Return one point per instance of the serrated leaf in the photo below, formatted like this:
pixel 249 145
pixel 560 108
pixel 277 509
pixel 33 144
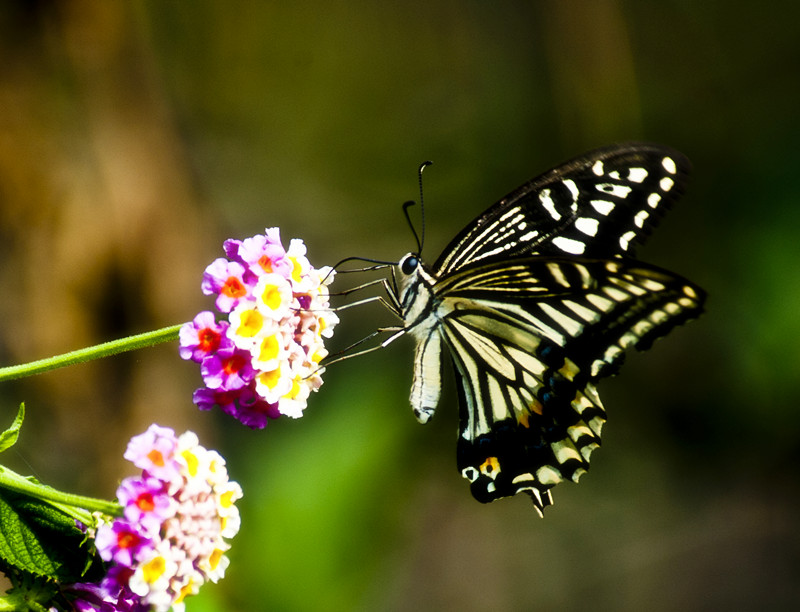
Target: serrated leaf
pixel 9 437
pixel 37 538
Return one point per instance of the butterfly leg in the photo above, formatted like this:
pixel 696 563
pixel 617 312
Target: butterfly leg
pixel 390 302
pixel 345 353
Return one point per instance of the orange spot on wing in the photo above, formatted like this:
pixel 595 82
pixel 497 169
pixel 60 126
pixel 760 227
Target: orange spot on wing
pixel 490 467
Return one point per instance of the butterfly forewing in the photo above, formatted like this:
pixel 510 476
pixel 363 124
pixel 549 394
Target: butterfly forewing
pixel 527 360
pixel 602 204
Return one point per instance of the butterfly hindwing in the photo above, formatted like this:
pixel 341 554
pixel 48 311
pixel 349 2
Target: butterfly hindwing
pixel 529 339
pixel 601 204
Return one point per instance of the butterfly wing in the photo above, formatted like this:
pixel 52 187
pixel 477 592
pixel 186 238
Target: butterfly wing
pixel 601 204
pixel 529 339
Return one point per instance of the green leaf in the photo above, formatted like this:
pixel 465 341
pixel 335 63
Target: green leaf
pixel 37 538
pixel 29 593
pixel 9 437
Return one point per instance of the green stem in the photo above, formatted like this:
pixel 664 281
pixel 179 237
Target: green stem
pixel 65 501
pixel 130 343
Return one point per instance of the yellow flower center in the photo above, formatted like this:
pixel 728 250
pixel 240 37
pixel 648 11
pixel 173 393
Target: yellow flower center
pixel 270 379
pixel 272 297
pixel 153 569
pixel 250 323
pixel 270 348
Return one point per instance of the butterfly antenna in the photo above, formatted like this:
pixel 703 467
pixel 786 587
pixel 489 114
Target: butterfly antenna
pixel 422 167
pixel 406 206
pixel 419 238
pixel 379 263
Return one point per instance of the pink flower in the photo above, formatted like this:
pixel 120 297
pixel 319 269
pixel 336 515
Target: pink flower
pixel 265 360
pixel 228 369
pixel 174 531
pixel 146 501
pixel 121 542
pixel 202 337
pixel 154 452
pixel 225 279
pixel 264 256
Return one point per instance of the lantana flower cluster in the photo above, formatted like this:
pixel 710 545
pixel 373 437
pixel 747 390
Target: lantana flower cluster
pixel 263 361
pixel 178 515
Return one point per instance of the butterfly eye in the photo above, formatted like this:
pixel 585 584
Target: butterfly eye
pixel 409 264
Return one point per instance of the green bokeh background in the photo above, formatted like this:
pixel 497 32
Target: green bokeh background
pixel 135 137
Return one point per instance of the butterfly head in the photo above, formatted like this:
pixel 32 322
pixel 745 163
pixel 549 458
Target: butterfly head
pixel 409 264
pixel 412 271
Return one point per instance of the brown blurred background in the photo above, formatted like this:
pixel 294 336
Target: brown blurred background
pixel 135 137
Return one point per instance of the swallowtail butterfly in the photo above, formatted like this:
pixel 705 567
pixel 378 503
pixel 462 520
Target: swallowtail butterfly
pixel 536 300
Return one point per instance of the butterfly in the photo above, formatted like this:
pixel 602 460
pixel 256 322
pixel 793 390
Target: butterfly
pixel 536 300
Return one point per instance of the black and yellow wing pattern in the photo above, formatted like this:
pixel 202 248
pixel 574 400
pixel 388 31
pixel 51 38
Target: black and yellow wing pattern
pixel 538 299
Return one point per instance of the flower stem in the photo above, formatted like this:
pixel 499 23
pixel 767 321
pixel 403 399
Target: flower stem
pixel 65 501
pixel 106 349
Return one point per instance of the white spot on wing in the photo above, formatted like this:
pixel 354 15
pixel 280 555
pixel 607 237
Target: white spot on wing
pixel 587 226
pixel 637 175
pixel 669 165
pixel 548 475
pixel 548 204
pixel 470 473
pixel 576 432
pixel 596 425
pixel 653 199
pixel 640 218
pixel 604 207
pixel 581 403
pixel 565 451
pixel 598 168
pixel 625 240
pixel 586 451
pixel 666 183
pixel 620 191
pixel 573 189
pixel 575 247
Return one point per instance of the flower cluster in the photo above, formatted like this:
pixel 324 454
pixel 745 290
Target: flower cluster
pixel 177 516
pixel 263 361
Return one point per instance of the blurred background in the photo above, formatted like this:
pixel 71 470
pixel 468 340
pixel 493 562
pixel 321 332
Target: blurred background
pixel 135 137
